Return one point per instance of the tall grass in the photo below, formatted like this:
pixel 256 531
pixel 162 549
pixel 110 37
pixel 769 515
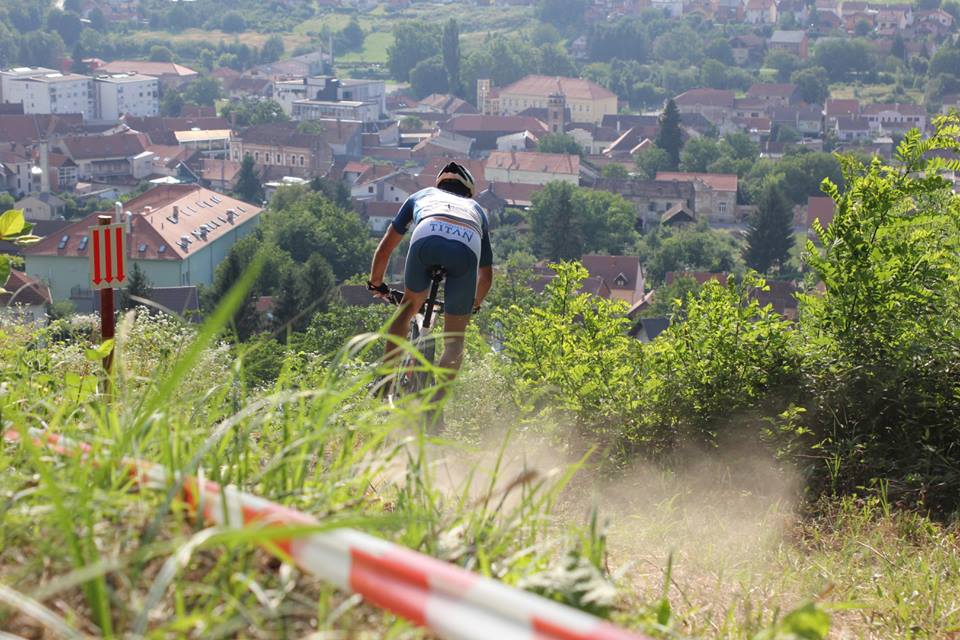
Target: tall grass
pixel 81 548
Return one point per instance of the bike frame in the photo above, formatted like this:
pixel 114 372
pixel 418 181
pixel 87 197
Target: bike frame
pixel 420 334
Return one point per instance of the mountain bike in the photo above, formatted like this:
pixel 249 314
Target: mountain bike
pixel 412 375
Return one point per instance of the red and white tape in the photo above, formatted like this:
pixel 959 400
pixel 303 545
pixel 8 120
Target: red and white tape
pixel 447 599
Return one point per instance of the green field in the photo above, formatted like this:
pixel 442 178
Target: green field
pixel 374 49
pixel 872 93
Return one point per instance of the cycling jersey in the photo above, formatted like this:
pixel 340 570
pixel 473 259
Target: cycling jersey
pixel 434 212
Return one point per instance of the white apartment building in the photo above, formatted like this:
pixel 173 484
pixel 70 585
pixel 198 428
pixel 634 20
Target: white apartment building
pixel 45 92
pixel 126 93
pixel 9 75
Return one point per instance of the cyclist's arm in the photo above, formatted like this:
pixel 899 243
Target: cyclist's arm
pixel 381 257
pixel 484 281
pixel 389 241
pixel 485 273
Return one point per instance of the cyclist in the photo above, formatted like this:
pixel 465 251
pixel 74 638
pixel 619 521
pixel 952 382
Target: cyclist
pixel 450 230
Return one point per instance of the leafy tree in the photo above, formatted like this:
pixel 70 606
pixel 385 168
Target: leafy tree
pixel 98 21
pixel 503 60
pixel 333 190
pixel 410 123
pixel 542 34
pixel 713 74
pixel 812 83
pixel 160 53
pixel 251 111
pixel 41 49
pixel 66 24
pixel 666 298
pixel 230 61
pixel 559 143
pixel 233 22
pixel 843 57
pixel 351 37
pixel 615 171
pixel 720 50
pixel 204 91
pixel 272 49
pixel 567 222
pixel 451 55
pixel 651 160
pixel 413 42
pixel 624 39
pixel 553 60
pixel 670 138
pixel 698 248
pixel 138 285
pixel 561 13
pixel 171 103
pixel 784 62
pixel 698 154
pixel 77 65
pixel 680 44
pixel 429 76
pixel 770 230
pixel 862 28
pixel 249 187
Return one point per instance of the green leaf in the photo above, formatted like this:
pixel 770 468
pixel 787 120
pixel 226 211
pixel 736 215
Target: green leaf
pixel 11 223
pixel 80 388
pixel 4 270
pixel 809 622
pixel 100 352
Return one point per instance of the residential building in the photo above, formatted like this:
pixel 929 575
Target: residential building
pixel 16 170
pixel 795 42
pixel 836 108
pixel 29 129
pixel 670 8
pixel 301 154
pixel 442 144
pixel 329 97
pixel 622 274
pixel 587 100
pixel 775 95
pixel 122 93
pixel 808 121
pixel 486 129
pixel 761 12
pixel 170 74
pixel 8 76
pixel 394 187
pixel 532 168
pixel 308 64
pixel 715 194
pixel 748 48
pixel 852 129
pixel 102 158
pixel 716 105
pixel 895 117
pixel 177 234
pixel 41 206
pixel 24 299
pixel 821 209
pixel 211 143
pixel 163 130
pixel 652 198
pixel 50 93
pixel 442 103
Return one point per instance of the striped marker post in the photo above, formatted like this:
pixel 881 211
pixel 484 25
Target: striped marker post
pixel 451 601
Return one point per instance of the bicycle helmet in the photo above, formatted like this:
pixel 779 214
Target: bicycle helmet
pixel 456 172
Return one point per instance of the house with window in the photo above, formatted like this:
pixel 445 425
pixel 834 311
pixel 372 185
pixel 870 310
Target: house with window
pixel 774 94
pixel 761 12
pixel 895 117
pixel 651 198
pixel 104 158
pixel 41 206
pixel 587 100
pixel 715 194
pixel 177 234
pixel 284 147
pixel 622 274
pixel 716 105
pixel 795 42
pixel 529 167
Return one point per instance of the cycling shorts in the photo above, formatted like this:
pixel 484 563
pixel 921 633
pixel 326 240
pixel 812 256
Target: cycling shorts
pixel 457 258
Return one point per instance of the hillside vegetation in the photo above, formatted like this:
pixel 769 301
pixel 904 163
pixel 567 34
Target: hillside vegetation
pixel 738 467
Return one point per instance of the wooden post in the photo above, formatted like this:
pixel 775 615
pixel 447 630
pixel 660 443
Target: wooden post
pixel 107 321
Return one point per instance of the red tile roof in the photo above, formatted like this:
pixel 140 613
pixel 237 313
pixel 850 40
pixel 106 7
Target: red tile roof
pixel 153 228
pixel 899 107
pixel 534 162
pixel 148 68
pixel 716 181
pixel 572 88
pixel 610 268
pixel 841 107
pixel 705 97
pixel 22 289
pixel 473 123
pixel 120 145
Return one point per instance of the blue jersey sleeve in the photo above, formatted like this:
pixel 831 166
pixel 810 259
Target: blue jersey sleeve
pixel 401 222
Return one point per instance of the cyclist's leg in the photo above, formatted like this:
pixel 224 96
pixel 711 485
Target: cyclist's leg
pixel 459 294
pixel 416 280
